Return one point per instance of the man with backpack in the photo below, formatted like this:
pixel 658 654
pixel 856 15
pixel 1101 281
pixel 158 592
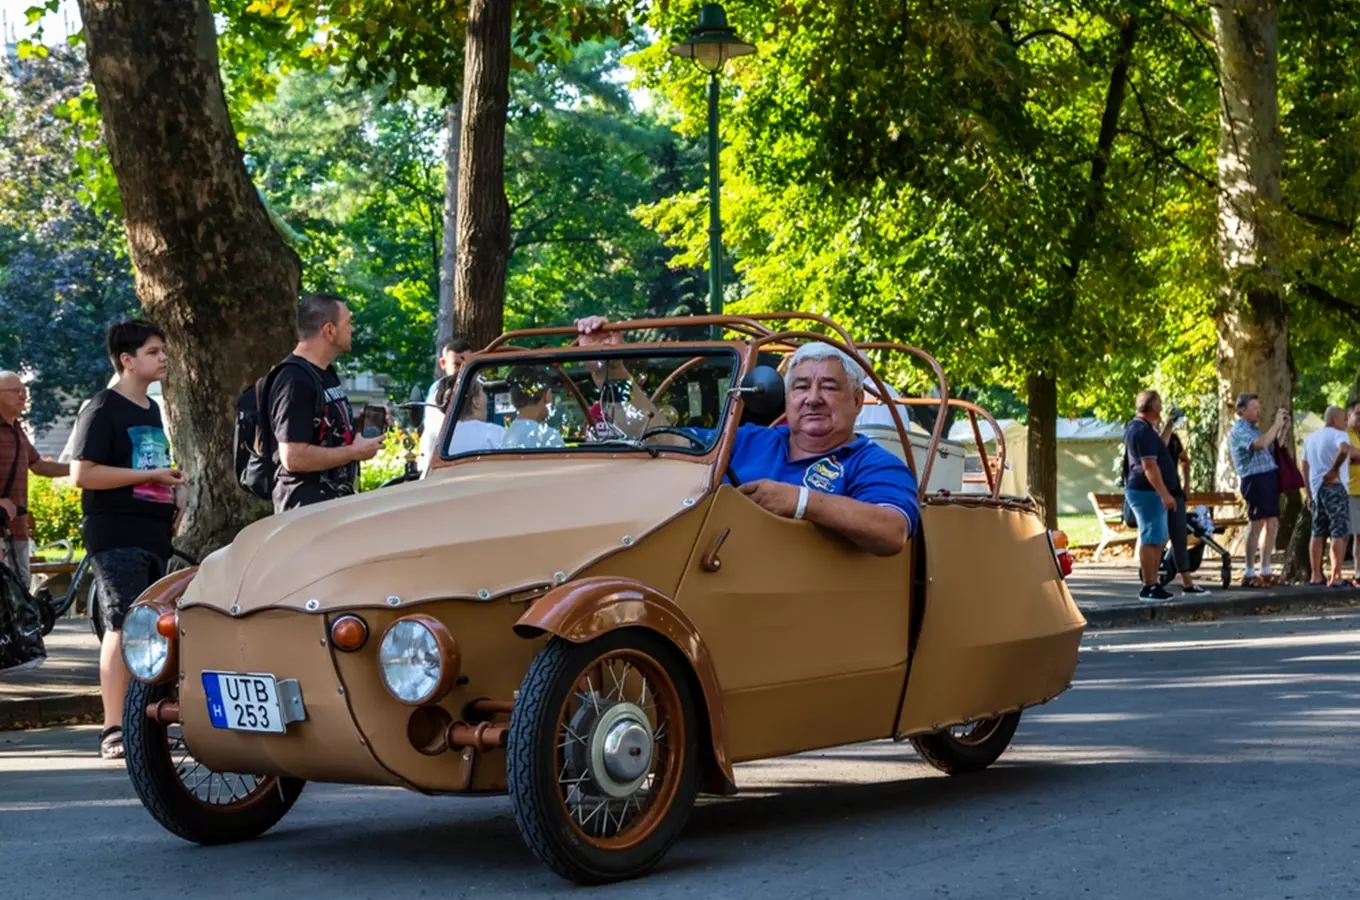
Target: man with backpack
pixel 305 449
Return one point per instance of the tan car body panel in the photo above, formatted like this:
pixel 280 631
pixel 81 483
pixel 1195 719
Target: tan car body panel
pixel 476 531
pixel 1000 630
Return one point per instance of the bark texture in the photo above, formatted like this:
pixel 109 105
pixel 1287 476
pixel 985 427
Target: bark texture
pixel 483 212
pixel 449 257
pixel 1253 320
pixel 1041 438
pixel 211 269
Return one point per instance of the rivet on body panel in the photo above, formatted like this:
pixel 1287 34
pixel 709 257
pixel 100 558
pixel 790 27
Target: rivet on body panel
pixel 312 605
pixel 689 501
pixel 235 610
pixel 363 743
pixel 559 577
pixel 394 601
pixel 484 594
pixel 340 689
pixel 627 540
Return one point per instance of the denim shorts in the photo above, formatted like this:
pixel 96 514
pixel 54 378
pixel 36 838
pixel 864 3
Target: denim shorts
pixel 1151 516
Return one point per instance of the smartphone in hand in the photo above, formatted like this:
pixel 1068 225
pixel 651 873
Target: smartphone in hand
pixel 373 421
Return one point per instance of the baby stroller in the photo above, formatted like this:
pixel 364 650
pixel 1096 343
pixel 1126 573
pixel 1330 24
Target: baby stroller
pixel 1199 525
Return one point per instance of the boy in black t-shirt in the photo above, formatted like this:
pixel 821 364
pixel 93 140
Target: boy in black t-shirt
pixel 131 494
pixel 318 451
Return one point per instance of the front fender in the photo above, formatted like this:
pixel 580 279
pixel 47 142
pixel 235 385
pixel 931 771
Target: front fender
pixel 585 609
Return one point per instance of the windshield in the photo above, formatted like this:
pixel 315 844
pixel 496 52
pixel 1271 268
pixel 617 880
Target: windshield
pixel 615 399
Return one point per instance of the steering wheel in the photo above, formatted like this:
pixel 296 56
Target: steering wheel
pixel 698 445
pixel 695 442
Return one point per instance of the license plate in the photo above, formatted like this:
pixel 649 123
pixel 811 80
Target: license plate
pixel 243 702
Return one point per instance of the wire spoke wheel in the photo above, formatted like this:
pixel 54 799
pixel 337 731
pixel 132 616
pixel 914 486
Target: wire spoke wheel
pixel 602 754
pixel 620 740
pixel 184 795
pixel 208 787
pixel 968 748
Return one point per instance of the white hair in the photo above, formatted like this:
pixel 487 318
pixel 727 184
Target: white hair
pixel 854 372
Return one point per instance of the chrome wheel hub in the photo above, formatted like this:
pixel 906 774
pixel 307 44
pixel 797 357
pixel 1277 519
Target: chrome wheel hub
pixel 620 749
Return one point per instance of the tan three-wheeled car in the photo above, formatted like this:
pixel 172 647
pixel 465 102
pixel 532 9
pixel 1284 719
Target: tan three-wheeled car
pixel 573 604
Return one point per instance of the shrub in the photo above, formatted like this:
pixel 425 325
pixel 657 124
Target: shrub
pixel 54 504
pixel 389 463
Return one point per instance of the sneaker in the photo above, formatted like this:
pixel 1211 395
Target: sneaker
pixel 1154 592
pixel 1194 590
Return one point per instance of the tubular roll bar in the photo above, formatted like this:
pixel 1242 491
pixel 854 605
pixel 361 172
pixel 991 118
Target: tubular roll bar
pixel 753 326
pixel 973 410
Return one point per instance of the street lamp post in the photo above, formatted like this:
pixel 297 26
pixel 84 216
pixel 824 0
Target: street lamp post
pixel 711 44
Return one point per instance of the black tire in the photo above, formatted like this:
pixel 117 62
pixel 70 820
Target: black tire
pixel 973 751
pixel 156 778
pixel 532 761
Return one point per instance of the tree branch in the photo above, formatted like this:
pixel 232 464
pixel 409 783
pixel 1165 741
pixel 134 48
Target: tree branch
pixel 1050 32
pixel 1323 297
pixel 1170 155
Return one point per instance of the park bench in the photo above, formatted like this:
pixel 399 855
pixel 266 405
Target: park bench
pixel 1226 507
pixel 54 574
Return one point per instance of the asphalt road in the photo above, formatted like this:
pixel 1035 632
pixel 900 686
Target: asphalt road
pixel 1205 761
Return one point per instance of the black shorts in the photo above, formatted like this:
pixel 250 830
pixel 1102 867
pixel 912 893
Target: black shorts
pixel 1262 493
pixel 121 575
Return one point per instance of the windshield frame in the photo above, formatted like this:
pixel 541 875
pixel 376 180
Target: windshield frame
pixel 738 352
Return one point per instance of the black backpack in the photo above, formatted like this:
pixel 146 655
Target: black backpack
pixel 255 445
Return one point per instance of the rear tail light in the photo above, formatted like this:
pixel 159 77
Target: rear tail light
pixel 1058 541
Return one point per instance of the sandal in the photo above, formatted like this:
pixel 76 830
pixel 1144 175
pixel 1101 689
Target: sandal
pixel 111 742
pixel 1340 585
pixel 1317 584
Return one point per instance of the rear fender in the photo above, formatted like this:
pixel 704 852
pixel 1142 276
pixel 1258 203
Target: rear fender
pixel 591 607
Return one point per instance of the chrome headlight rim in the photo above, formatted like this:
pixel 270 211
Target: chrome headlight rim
pixel 441 644
pixel 147 654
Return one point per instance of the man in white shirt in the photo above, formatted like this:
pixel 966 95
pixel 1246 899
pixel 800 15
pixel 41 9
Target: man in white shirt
pixel 1326 454
pixel 451 359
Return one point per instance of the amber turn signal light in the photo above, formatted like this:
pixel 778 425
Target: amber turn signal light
pixel 349 633
pixel 167 625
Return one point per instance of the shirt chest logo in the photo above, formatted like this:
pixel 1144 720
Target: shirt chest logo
pixel 824 475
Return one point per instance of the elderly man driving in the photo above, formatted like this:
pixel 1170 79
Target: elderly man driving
pixel 816 467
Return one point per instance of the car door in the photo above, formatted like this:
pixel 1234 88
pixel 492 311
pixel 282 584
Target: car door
pixel 808 633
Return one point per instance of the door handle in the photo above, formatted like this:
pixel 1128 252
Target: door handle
pixel 710 561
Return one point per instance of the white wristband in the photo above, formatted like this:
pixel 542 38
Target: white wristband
pixel 802 502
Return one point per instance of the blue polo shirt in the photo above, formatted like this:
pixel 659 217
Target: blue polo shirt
pixel 861 470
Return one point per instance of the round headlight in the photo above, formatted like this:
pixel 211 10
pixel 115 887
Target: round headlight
pixel 145 650
pixel 410 660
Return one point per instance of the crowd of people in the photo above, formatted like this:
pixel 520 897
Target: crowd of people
pixel 1157 471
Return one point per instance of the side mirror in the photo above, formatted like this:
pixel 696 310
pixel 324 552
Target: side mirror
pixel 415 414
pixel 763 391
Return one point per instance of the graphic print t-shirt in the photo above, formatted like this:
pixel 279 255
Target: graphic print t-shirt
pixel 114 431
pixel 293 416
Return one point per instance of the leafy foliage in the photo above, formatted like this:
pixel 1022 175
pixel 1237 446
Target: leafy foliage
pixel 64 271
pixel 55 507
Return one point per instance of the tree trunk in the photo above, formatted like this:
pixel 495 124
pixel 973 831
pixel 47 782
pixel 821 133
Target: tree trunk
pixel 449 258
pixel 1041 433
pixel 1252 319
pixel 211 269
pixel 483 212
pixel 1042 427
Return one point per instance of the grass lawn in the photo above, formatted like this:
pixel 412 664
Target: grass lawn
pixel 1080 529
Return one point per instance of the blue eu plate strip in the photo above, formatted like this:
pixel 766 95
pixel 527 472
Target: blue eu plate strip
pixel 217 710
